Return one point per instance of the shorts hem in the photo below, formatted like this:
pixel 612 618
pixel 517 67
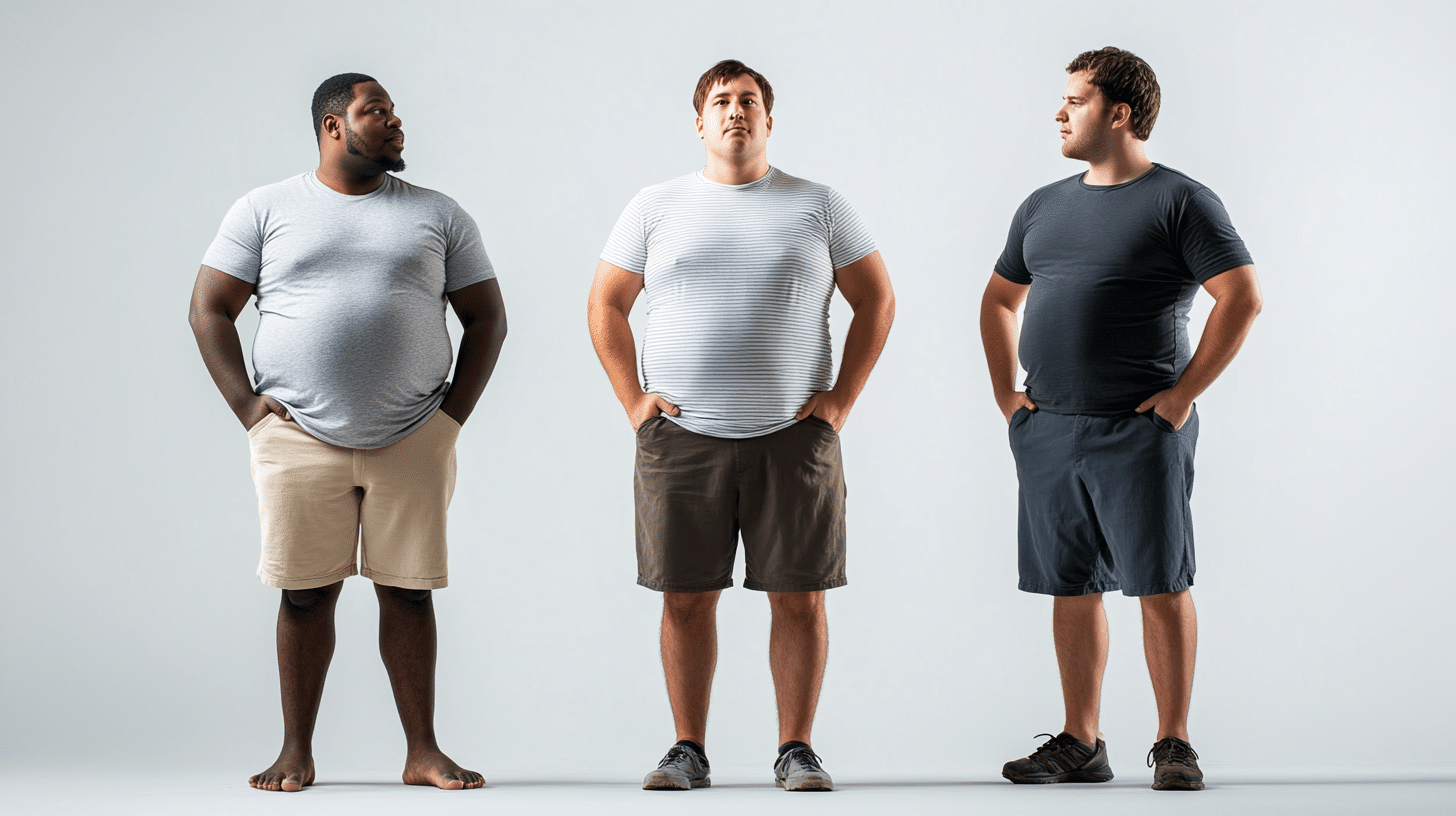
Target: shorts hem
pixel 1160 588
pixel 404 583
pixel 814 587
pixel 667 586
pixel 306 583
pixel 1069 590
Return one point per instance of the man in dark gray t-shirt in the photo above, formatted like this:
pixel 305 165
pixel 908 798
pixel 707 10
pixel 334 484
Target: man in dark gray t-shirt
pixel 1107 263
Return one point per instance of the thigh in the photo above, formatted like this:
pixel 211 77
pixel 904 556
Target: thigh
pixel 1060 548
pixel 402 519
pixel 686 506
pixel 1140 475
pixel 791 508
pixel 308 506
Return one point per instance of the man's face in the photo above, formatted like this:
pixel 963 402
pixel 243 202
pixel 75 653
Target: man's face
pixel 1085 118
pixel 733 122
pixel 371 130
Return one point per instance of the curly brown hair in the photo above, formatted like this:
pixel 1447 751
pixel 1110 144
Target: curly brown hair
pixel 724 71
pixel 1124 77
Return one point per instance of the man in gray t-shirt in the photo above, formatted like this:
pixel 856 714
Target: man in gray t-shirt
pixel 737 413
pixel 1107 263
pixel 351 421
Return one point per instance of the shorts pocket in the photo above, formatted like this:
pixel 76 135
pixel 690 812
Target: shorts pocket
pixel 646 422
pixel 449 419
pixel 1162 424
pixel 823 422
pixel 260 423
pixel 1018 417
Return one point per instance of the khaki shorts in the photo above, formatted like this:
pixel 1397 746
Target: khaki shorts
pixel 784 492
pixel 317 501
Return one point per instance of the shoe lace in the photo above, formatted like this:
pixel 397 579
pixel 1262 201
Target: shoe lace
pixel 806 757
pixel 675 753
pixel 1054 745
pixel 1171 751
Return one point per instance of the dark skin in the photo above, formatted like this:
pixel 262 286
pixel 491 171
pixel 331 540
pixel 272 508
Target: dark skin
pixel 407 635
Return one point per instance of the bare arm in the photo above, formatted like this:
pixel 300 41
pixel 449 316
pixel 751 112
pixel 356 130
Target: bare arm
pixel 613 292
pixel 1237 301
pixel 217 299
pixel 999 331
pixel 865 285
pixel 482 315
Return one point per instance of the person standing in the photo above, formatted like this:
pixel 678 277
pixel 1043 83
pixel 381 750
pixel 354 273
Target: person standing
pixel 738 414
pixel 351 421
pixel 1107 263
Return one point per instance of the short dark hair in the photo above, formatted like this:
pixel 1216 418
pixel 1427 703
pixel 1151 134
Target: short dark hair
pixel 1123 76
pixel 334 96
pixel 724 71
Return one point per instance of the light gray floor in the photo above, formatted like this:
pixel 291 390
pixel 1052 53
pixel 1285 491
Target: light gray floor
pixel 736 790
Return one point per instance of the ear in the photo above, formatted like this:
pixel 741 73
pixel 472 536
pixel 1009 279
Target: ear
pixel 768 126
pixel 699 123
pixel 332 126
pixel 1121 114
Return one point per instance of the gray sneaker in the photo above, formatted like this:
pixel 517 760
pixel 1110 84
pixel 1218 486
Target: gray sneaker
pixel 1177 765
pixel 682 769
pixel 798 769
pixel 1063 758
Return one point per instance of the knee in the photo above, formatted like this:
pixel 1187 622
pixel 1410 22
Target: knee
pixel 403 595
pixel 307 598
pixel 796 604
pixel 1166 602
pixel 687 606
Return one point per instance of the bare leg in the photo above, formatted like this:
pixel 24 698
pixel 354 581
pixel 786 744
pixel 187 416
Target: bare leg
pixel 1170 641
pixel 305 648
pixel 798 648
pixel 689 655
pixel 1079 627
pixel 407 644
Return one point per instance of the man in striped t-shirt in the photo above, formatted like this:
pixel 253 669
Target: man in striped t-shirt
pixel 737 413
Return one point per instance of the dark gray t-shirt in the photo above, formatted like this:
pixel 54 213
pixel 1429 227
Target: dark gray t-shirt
pixel 351 301
pixel 1113 271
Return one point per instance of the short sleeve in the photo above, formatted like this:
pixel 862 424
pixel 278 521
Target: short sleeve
pixel 627 245
pixel 238 248
pixel 1012 263
pixel 849 239
pixel 1206 238
pixel 465 259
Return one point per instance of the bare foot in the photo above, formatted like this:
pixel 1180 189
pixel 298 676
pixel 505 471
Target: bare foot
pixel 434 768
pixel 292 772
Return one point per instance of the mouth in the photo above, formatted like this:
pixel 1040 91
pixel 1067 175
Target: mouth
pixel 740 129
pixel 397 138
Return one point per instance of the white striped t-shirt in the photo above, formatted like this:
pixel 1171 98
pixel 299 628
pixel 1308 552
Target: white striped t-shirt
pixel 737 280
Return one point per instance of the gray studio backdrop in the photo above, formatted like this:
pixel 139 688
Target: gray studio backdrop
pixel 135 633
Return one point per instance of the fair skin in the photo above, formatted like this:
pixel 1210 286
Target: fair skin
pixel 734 128
pixel 305 633
pixel 1099 132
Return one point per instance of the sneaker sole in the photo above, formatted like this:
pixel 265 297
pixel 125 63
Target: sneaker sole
pixel 661 781
pixel 807 785
pixel 1178 783
pixel 1070 776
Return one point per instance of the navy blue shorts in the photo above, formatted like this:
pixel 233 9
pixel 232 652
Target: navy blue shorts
pixel 1104 502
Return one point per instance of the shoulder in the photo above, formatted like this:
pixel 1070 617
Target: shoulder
pixel 1049 192
pixel 672 188
pixel 279 192
pixel 397 187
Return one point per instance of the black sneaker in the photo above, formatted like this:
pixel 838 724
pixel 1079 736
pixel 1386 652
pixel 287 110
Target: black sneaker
pixel 1177 765
pixel 1063 758
pixel 683 768
pixel 798 769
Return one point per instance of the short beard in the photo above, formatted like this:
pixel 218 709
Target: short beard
pixel 355 146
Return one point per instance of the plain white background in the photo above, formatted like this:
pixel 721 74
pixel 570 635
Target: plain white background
pixel 136 635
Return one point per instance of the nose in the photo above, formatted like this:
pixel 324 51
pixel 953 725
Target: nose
pixel 1061 113
pixel 394 121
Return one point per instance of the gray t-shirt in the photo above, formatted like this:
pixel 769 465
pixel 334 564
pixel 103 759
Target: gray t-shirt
pixel 1113 270
pixel 351 301
pixel 737 280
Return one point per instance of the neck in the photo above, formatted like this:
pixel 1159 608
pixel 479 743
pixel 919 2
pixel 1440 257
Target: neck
pixel 1123 164
pixel 735 170
pixel 340 178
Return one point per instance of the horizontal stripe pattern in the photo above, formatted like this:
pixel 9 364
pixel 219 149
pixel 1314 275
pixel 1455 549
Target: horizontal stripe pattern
pixel 737 282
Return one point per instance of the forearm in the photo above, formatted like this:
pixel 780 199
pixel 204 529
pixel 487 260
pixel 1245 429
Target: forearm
pixel 868 331
pixel 222 353
pixel 1223 335
pixel 998 337
pixel 612 338
pixel 480 346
